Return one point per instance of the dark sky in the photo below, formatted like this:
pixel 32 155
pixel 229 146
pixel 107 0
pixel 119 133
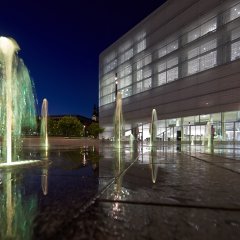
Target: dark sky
pixel 61 41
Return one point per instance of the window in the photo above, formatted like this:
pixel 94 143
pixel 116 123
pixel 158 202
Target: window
pixel 162 79
pixel 172 62
pixel 162 52
pixel 208 46
pixel 107 99
pixel 235 50
pixel 168 48
pixel 202 30
pixel 193 53
pixel 202 63
pixel 161 67
pixel 139 87
pixel 139 75
pixel 172 74
pixel 147 72
pixel 145 61
pixel 126 92
pixel 126 56
pixel 168 70
pixel 194 34
pixel 141 45
pixel 235 12
pixel 147 84
pixel 110 66
pixel 193 66
pixel 124 82
pixel 209 26
pixel 125 71
pixel 172 46
pixel 235 34
pixel 208 61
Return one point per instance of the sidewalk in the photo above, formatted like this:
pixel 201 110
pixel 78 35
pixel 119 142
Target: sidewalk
pixel 167 194
pixel 156 194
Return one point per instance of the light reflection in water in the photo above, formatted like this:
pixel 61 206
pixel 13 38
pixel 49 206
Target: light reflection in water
pixel 119 192
pixel 44 181
pixel 16 215
pixel 153 163
pixel 44 176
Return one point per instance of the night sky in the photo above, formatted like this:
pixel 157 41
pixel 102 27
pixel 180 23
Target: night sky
pixel 61 41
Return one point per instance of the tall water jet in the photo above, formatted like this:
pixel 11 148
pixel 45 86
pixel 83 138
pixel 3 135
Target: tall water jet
pixel 44 123
pixel 131 142
pixel 17 106
pixel 118 121
pixel 153 128
pixel 209 134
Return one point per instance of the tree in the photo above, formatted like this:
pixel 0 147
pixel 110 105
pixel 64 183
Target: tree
pixel 94 129
pixel 53 129
pixel 70 126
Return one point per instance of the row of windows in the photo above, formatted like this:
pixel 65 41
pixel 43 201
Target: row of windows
pixel 125 56
pixel 194 34
pixel 169 71
pixel 166 75
pixel 140 45
pixel 171 65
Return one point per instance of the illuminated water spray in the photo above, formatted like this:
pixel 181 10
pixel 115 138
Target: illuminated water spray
pixel 118 121
pixel 44 123
pixel 153 128
pixel 17 103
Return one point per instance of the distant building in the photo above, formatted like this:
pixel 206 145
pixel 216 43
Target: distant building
pixel 183 61
pixel 95 114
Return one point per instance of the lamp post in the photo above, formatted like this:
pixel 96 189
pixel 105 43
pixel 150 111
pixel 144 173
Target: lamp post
pixel 84 130
pixel 116 86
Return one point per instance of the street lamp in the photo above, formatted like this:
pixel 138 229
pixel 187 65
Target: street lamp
pixel 84 130
pixel 116 86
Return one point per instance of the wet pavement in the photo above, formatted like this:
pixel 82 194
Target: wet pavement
pixel 108 193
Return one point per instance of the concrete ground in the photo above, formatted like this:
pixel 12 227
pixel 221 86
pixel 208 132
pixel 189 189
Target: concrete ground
pixel 166 192
pixel 162 193
pixel 169 194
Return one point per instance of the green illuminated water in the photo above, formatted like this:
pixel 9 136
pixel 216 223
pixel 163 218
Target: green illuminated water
pixel 17 103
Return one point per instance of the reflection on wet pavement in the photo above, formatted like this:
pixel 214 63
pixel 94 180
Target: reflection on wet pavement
pixel 149 193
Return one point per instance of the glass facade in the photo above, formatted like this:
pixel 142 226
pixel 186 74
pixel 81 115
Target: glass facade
pixel 152 67
pixel 140 68
pixel 226 127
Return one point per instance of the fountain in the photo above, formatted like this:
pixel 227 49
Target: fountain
pixel 153 163
pixel 131 142
pixel 153 128
pixel 44 123
pixel 209 134
pixel 118 121
pixel 17 105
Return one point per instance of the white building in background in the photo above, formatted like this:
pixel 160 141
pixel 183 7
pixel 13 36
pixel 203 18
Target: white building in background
pixel 182 60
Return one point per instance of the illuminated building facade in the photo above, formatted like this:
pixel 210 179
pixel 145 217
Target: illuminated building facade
pixel 183 61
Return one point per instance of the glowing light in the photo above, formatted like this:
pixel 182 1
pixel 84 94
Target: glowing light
pixel 118 121
pixel 17 100
pixel 44 123
pixel 153 128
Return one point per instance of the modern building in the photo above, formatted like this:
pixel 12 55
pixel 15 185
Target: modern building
pixel 182 60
